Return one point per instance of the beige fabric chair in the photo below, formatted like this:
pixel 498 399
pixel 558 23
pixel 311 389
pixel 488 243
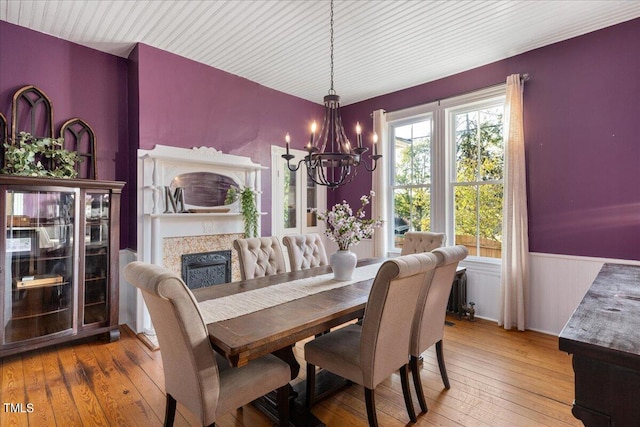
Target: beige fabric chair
pixel 421 241
pixel 370 353
pixel 259 257
pixel 428 323
pixel 195 375
pixel 305 251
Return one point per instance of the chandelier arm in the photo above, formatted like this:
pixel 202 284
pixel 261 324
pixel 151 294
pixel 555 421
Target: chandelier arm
pixel 288 158
pixel 374 162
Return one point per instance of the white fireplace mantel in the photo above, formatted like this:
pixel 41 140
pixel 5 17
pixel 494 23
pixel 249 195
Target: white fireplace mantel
pixel 156 170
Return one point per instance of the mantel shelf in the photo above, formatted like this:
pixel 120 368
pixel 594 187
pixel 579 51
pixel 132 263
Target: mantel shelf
pixel 197 215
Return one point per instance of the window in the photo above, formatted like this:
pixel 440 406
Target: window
pixel 411 182
pixel 447 167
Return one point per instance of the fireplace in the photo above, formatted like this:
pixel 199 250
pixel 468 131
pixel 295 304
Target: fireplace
pixel 206 269
pixel 174 223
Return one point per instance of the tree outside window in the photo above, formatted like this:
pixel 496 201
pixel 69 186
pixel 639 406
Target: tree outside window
pixel 478 187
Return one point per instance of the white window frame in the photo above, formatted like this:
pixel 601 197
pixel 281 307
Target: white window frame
pixel 442 156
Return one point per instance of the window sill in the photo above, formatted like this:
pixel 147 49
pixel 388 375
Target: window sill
pixel 478 264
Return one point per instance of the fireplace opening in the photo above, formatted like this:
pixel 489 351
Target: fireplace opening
pixel 206 269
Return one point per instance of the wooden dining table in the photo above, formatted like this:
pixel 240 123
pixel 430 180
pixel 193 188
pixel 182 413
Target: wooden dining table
pixel 275 330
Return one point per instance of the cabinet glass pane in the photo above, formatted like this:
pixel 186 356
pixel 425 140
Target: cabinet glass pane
pixel 38 297
pixel 290 203
pixel 312 204
pixel 96 265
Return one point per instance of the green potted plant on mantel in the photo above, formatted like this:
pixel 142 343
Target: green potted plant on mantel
pixel 32 156
pixel 248 208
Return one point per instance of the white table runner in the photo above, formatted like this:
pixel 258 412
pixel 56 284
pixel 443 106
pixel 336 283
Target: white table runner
pixel 224 308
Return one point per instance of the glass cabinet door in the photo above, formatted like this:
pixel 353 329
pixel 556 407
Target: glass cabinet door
pixel 96 257
pixel 39 263
pixel 295 199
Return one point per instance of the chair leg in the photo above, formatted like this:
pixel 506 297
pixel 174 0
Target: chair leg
pixel 311 386
pixel 441 365
pixel 371 407
pixel 283 405
pixel 170 411
pixel 404 379
pixel 417 383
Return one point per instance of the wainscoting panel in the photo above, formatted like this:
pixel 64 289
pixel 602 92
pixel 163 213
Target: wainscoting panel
pixel 128 293
pixel 558 284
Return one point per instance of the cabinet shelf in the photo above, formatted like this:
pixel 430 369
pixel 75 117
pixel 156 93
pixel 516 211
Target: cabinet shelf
pixel 32 315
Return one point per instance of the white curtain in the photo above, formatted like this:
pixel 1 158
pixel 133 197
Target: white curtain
pixel 514 280
pixel 379 184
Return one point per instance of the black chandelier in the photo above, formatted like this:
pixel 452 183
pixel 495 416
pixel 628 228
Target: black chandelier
pixel 332 160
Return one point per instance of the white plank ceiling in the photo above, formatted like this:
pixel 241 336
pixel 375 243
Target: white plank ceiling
pixel 380 46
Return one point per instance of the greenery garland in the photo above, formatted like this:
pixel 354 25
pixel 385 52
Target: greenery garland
pixel 32 156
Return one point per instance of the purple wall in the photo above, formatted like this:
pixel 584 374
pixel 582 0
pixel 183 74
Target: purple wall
pixel 81 82
pixel 183 103
pixel 581 121
pixel 582 109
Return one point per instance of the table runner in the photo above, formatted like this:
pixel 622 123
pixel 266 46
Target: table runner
pixel 224 308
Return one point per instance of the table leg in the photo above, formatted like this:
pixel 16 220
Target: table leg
pixel 326 385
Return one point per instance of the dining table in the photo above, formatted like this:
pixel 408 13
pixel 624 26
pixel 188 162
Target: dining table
pixel 269 315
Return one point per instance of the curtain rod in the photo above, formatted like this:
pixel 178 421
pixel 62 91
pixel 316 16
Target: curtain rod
pixel 523 78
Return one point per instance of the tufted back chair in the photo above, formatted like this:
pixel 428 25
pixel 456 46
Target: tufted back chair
pixel 259 257
pixel 194 374
pixel 421 241
pixel 428 322
pixel 370 353
pixel 305 251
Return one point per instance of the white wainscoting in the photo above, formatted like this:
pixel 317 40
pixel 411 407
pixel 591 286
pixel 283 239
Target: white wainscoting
pixel 128 293
pixel 558 284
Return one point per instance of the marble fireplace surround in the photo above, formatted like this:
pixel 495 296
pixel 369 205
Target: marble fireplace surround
pixel 163 237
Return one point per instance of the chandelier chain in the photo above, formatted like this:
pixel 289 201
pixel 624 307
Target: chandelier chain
pixel 331 90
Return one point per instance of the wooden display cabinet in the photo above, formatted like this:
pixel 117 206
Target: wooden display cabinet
pixel 59 263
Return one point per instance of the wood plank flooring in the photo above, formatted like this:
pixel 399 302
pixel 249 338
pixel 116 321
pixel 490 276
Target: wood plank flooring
pixel 498 378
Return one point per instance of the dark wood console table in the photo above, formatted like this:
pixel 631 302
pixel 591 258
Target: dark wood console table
pixel 603 335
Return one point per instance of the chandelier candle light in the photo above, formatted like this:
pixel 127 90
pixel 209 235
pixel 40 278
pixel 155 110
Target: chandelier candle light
pixel 332 161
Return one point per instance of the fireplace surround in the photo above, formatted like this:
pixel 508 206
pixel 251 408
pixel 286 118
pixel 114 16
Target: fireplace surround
pixel 165 233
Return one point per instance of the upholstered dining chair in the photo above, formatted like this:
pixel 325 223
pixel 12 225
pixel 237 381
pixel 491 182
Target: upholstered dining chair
pixel 421 241
pixel 305 251
pixel 428 322
pixel 367 354
pixel 195 375
pixel 259 257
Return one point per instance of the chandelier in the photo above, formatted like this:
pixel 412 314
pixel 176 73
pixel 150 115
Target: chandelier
pixel 331 160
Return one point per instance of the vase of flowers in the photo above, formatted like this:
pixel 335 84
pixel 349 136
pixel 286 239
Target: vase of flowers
pixel 347 229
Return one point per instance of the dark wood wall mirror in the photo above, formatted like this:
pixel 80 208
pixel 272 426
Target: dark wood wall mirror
pixel 80 137
pixel 31 111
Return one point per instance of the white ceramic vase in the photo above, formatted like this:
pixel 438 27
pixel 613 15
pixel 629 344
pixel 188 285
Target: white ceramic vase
pixel 343 263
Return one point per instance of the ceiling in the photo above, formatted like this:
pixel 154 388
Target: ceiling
pixel 380 46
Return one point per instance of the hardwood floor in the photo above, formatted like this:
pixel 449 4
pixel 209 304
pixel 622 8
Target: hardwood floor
pixel 498 378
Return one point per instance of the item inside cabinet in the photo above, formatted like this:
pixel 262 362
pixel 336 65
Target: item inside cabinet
pixel 39 281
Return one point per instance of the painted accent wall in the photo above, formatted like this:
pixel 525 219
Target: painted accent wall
pixel 81 82
pixel 186 104
pixel 582 115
